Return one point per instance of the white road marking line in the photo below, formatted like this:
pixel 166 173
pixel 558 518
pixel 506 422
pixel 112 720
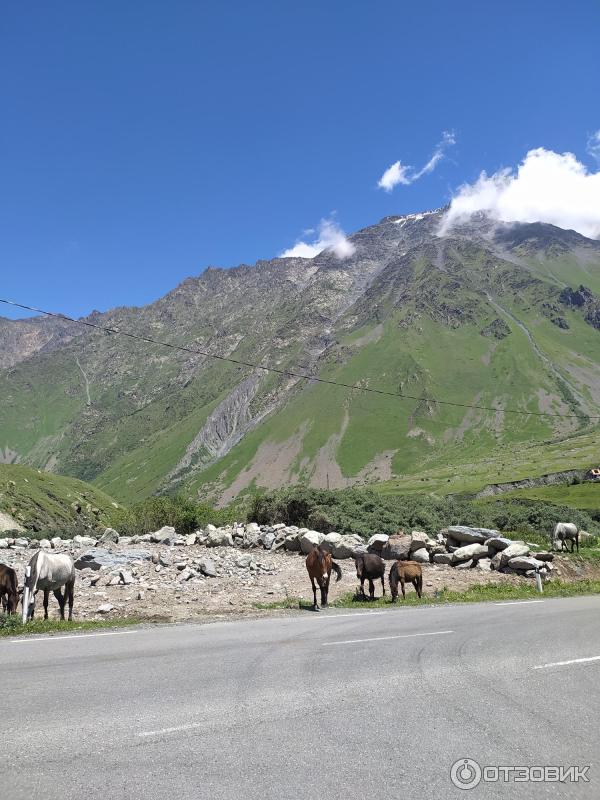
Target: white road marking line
pixel 384 638
pixel 566 663
pixel 354 614
pixel 517 602
pixel 176 729
pixel 69 636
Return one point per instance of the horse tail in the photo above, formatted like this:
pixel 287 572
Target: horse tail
pixel 338 571
pixel 393 576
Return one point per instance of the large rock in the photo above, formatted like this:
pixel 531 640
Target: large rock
pixel 219 537
pixel 466 564
pixel 545 556
pixel 207 567
pixel 469 551
pixel 484 564
pixel 292 540
pixel 525 563
pixel 514 550
pixel 418 540
pixel 398 547
pixel 84 541
pixel 109 535
pixel 267 539
pixel 498 542
pixel 377 542
pixel 348 546
pixel 421 555
pixel 309 540
pixel 443 558
pixel 165 535
pixel 331 541
pixel 468 535
pixel 96 558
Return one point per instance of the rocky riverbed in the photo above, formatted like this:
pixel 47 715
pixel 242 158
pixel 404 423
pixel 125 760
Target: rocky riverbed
pixel 234 570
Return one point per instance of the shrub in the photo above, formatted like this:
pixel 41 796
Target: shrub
pixel 179 512
pixel 365 512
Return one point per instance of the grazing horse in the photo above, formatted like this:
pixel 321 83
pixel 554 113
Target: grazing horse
pixel 370 567
pixel 565 532
pixel 50 572
pixel 405 572
pixel 319 564
pixel 9 591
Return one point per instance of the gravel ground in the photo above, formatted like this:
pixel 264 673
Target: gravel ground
pixel 159 588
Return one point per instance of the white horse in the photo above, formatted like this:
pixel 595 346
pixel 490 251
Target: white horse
pixel 49 572
pixel 565 532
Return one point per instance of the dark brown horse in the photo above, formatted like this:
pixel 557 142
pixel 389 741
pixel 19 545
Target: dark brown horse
pixel 405 572
pixel 9 592
pixel 319 564
pixel 370 567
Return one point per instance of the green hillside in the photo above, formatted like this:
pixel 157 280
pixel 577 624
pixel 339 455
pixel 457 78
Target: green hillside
pixel 502 318
pixel 40 500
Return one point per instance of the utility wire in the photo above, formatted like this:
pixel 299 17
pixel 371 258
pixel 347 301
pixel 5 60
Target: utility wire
pixel 289 373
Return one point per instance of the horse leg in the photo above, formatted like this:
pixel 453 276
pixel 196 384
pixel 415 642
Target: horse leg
pixel 46 597
pixel 70 591
pixel 314 588
pixel 62 599
pixel 324 592
pixel 371 589
pixel 362 587
pixel 383 585
pixel 402 587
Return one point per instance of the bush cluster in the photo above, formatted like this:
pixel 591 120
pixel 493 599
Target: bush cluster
pixel 365 512
pixel 180 513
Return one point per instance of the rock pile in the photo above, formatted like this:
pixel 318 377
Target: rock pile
pixel 464 547
pixel 459 546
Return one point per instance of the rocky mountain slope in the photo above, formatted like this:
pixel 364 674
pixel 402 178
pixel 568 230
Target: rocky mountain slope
pixel 488 315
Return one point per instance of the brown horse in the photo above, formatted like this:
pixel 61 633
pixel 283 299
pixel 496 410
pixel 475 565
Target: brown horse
pixel 405 572
pixel 9 592
pixel 319 564
pixel 370 567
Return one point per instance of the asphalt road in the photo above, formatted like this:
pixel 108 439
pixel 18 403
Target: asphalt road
pixel 332 705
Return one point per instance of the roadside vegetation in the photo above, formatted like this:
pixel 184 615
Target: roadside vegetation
pixel 364 511
pixel 182 514
pixel 11 625
pixel 475 594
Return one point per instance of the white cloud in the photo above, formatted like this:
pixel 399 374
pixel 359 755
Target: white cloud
pixel 393 176
pixel 547 187
pixel 593 145
pixel 398 173
pixel 329 237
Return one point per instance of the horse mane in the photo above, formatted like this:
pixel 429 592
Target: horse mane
pixel 31 581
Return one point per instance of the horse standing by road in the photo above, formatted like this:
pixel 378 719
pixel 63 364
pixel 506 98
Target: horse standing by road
pixel 319 564
pixel 50 572
pixel 9 589
pixel 370 567
pixel 405 572
pixel 565 532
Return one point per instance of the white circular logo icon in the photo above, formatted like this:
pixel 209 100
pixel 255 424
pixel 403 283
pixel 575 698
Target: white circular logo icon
pixel 465 773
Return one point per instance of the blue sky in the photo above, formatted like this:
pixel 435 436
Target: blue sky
pixel 141 142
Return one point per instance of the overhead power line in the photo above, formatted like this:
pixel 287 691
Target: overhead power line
pixel 289 373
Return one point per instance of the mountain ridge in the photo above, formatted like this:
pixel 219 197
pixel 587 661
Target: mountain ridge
pixel 137 418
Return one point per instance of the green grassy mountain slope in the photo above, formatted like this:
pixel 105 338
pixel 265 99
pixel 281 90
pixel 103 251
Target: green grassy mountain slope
pixel 488 316
pixel 38 500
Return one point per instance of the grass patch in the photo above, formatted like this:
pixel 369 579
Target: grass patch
pixel 11 625
pixel 478 594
